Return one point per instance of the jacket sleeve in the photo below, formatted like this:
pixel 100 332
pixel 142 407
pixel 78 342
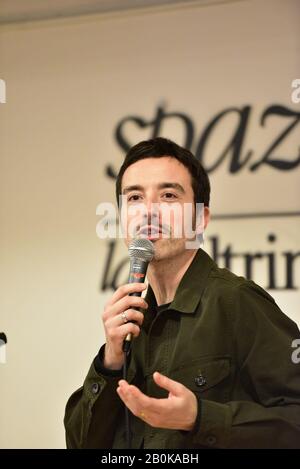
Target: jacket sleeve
pixel 92 411
pixel 263 338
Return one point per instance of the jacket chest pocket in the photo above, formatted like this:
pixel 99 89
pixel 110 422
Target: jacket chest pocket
pixel 210 379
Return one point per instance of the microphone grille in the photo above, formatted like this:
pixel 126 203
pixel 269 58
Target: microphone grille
pixel 141 248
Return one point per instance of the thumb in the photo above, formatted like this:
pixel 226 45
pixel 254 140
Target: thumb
pixel 166 383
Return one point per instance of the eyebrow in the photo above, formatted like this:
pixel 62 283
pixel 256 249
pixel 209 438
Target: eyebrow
pixel 163 185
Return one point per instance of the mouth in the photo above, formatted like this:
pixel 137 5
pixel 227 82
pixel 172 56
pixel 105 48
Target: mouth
pixel 150 232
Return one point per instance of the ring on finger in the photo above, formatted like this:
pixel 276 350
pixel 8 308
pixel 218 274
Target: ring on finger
pixel 124 317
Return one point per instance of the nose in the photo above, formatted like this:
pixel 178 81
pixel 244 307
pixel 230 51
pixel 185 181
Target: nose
pixel 152 212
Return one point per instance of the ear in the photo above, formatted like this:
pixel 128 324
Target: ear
pixel 206 217
pixel 203 220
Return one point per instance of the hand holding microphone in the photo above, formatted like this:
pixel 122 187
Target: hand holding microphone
pixel 121 317
pixel 141 252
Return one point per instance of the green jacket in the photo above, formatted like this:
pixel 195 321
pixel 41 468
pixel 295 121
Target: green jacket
pixel 224 338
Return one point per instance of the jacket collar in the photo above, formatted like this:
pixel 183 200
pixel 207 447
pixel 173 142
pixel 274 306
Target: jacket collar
pixel 191 286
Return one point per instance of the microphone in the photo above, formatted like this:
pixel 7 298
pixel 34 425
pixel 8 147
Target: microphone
pixel 141 252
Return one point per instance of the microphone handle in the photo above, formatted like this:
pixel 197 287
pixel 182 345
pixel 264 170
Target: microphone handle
pixel 137 274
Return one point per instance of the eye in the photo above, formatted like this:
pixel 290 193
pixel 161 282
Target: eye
pixel 169 195
pixel 134 198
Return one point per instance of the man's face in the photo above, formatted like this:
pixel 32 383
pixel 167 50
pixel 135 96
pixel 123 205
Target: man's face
pixel 158 204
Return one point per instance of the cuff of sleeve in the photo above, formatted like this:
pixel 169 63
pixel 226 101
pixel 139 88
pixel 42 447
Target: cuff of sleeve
pixel 213 425
pixel 95 384
pixel 196 426
pixel 98 364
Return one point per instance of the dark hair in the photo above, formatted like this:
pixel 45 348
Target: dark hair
pixel 158 147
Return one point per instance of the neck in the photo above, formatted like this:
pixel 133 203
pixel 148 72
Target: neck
pixel 165 275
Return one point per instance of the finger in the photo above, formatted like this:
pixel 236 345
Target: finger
pixel 169 384
pixel 122 331
pixel 130 315
pixel 128 302
pixel 155 412
pixel 125 290
pixel 124 395
pixel 135 399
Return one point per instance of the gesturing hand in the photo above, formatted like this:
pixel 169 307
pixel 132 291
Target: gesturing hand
pixel 177 412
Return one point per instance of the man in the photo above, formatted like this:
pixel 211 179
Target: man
pixel 210 364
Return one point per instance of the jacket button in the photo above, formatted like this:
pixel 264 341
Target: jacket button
pixel 211 440
pixel 95 388
pixel 200 380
